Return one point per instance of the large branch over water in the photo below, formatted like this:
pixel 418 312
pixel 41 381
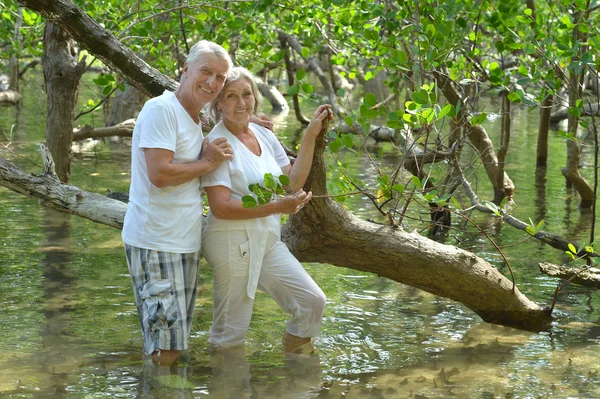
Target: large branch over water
pixel 323 232
pixel 102 44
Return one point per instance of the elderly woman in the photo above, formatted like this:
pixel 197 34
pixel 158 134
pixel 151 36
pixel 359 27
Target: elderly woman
pixel 243 245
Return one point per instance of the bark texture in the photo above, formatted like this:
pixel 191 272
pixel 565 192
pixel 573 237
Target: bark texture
pixel 62 74
pixel 125 105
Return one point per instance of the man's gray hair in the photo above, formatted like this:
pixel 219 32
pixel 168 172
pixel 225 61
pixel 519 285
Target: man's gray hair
pixel 204 46
pixel 236 73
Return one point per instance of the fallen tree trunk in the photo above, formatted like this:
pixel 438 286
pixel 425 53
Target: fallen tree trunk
pixel 10 97
pixel 50 192
pixel 123 129
pixel 589 277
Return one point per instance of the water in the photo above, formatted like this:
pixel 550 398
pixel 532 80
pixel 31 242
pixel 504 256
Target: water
pixel 69 328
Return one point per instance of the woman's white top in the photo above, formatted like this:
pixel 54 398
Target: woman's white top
pixel 244 169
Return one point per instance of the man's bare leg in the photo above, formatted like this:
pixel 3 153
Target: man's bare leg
pixel 164 357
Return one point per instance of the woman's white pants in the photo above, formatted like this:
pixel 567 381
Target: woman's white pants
pixel 281 276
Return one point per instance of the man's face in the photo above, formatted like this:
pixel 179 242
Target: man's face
pixel 203 80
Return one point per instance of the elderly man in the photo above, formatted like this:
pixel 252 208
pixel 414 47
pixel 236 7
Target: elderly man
pixel 163 224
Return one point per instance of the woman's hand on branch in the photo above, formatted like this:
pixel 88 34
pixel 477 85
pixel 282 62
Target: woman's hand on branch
pixel 320 121
pixel 292 203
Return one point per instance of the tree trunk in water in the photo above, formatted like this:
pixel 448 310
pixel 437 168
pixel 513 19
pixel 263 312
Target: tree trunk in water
pixel 542 143
pixel 482 143
pixel 62 74
pixel 14 61
pixel 291 82
pixel 125 105
pixel 273 96
pixel 499 194
pixel 480 140
pixel 571 170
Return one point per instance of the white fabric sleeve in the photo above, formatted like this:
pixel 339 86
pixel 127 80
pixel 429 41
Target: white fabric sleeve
pixel 158 129
pixel 277 149
pixel 218 177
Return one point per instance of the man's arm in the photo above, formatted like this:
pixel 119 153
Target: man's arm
pixel 162 172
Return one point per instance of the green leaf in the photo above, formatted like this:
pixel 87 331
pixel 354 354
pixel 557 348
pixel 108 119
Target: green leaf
pixel 270 181
pixel 589 250
pixel 456 202
pixel 398 187
pixel 572 248
pixel 530 230
pixel 305 52
pixel 284 180
pixel 340 92
pixel 307 88
pixel 293 90
pixel 347 140
pixel 335 145
pixel 300 74
pixel 248 201
pixel 445 111
pixel 349 120
pixel 367 112
pixel 417 182
pixel 540 225
pixel 370 100
pixel 493 207
pixel 570 254
pixel 100 81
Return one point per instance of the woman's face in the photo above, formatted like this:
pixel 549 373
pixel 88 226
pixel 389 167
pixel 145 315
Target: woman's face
pixel 237 101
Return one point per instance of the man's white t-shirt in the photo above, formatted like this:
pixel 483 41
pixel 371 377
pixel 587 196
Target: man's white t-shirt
pixel 167 219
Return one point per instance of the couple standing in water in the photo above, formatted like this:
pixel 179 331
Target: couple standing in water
pixel 171 163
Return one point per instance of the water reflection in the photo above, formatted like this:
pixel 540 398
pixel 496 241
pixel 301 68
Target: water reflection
pixel 59 301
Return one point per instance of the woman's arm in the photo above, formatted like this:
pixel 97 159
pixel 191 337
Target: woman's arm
pixel 298 173
pixel 224 207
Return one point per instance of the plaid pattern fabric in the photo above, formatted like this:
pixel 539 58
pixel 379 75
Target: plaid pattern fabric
pixel 164 286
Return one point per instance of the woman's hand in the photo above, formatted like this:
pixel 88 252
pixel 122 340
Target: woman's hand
pixel 320 119
pixel 292 203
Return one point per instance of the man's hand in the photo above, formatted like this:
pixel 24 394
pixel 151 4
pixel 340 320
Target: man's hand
pixel 216 152
pixel 262 120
